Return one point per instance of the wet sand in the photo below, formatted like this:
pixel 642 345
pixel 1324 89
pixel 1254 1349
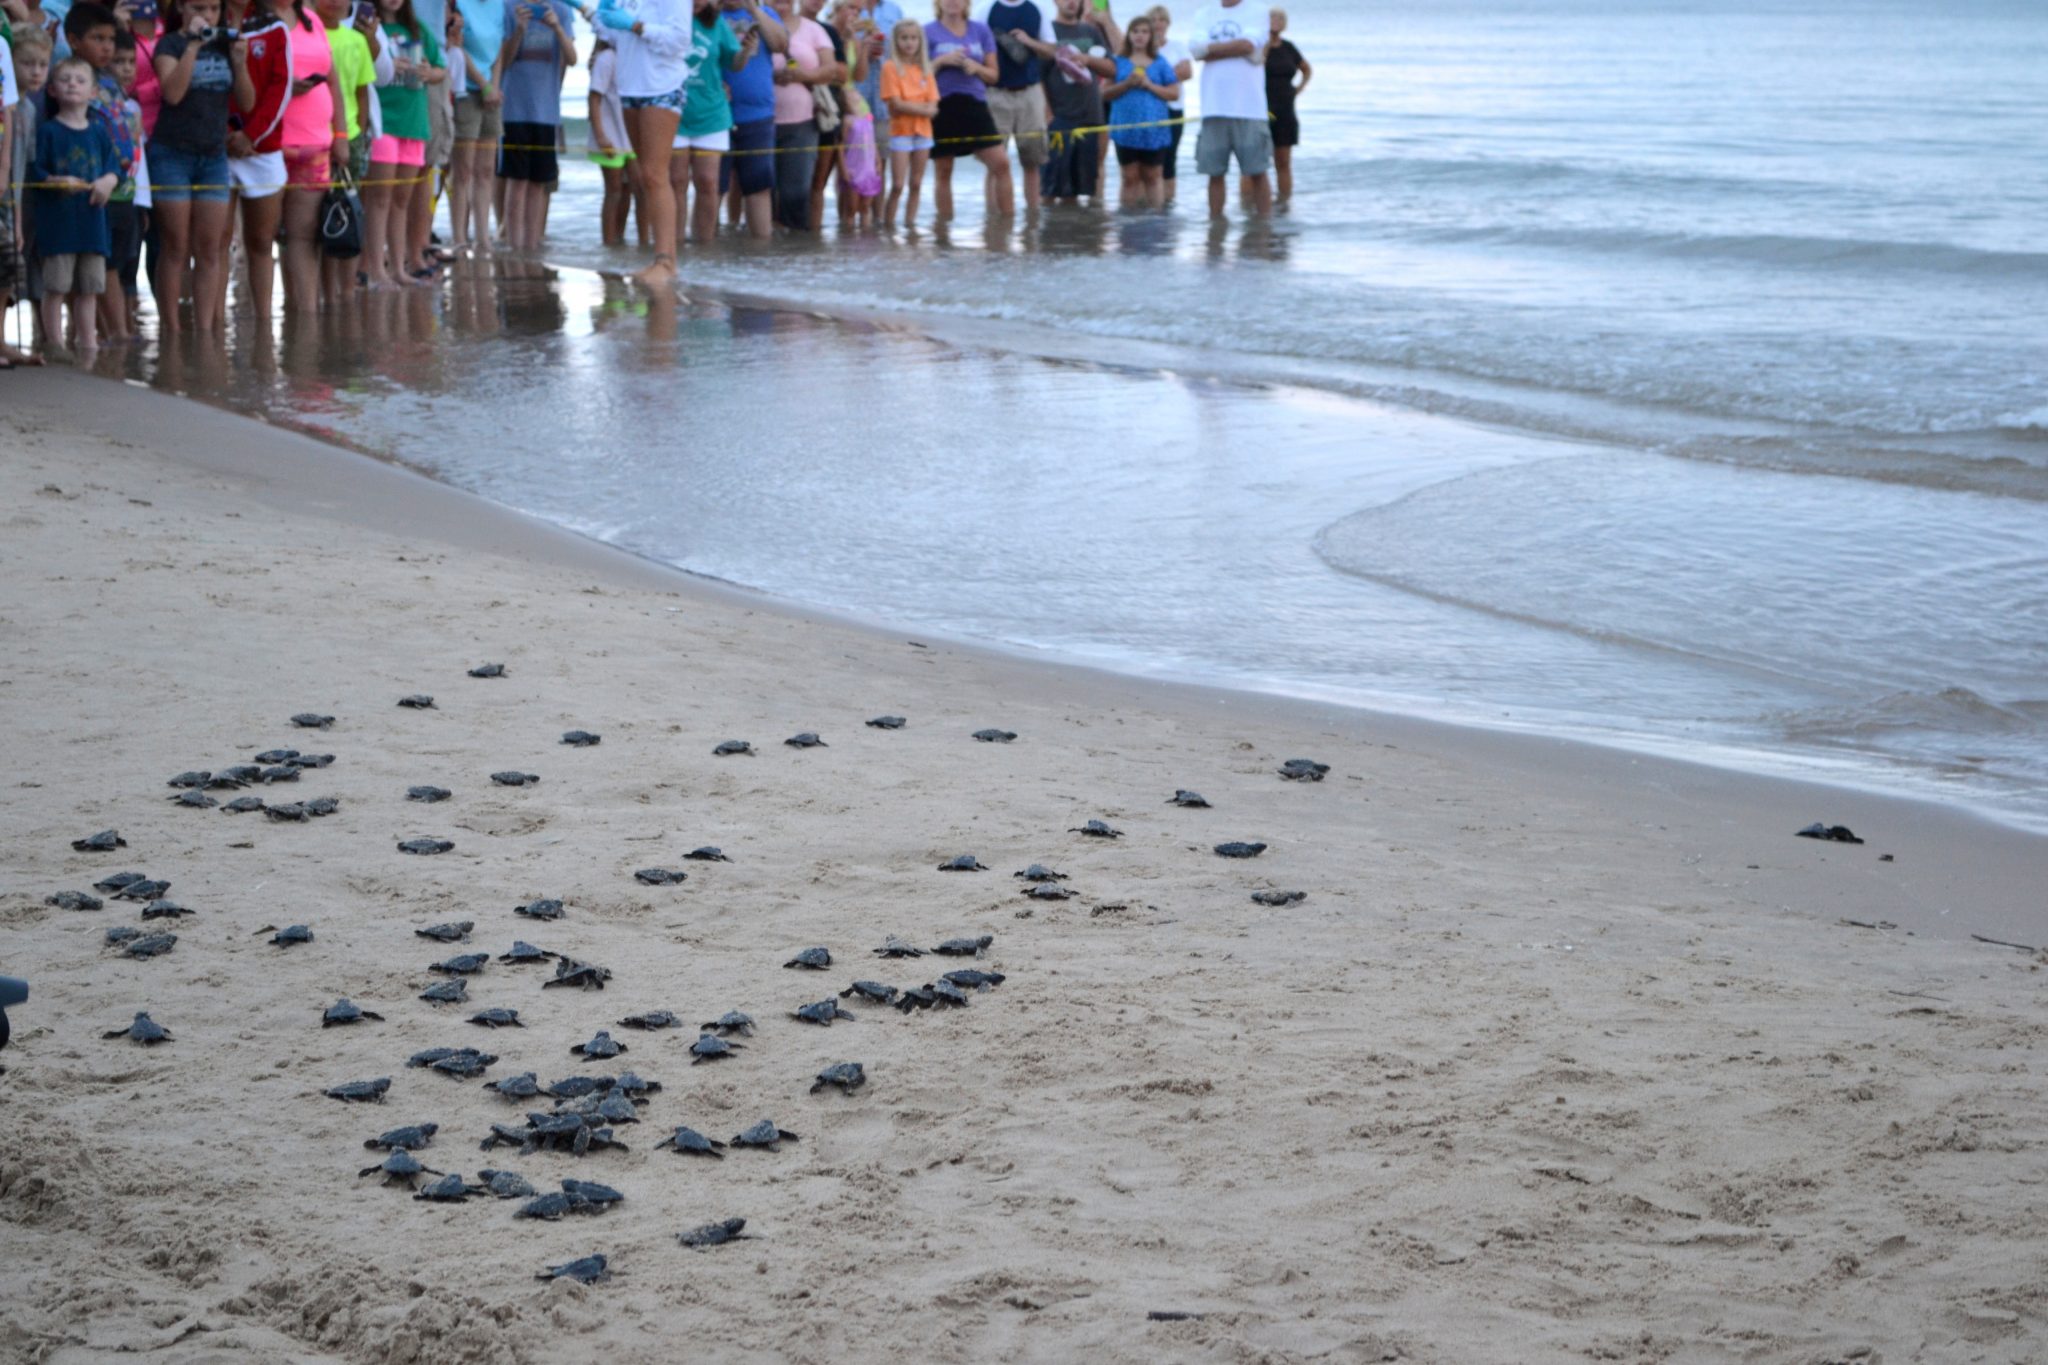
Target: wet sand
pixel 1567 1054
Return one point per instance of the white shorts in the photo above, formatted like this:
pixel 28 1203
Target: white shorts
pixel 258 176
pixel 720 141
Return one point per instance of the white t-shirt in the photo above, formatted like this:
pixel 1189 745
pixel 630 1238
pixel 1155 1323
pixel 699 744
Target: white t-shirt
pixel 1234 87
pixel 604 83
pixel 1175 51
pixel 656 60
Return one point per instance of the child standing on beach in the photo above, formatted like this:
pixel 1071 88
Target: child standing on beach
pixel 31 72
pixel 398 157
pixel 912 97
pixel 76 170
pixel 201 71
pixel 1140 110
pixel 610 149
pixel 128 210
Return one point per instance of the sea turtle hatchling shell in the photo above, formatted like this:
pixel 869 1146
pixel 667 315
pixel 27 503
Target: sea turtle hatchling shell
pixel 995 736
pixel 848 1076
pixel 714 1234
pixel 488 671
pixel 887 723
pixel 428 794
pixel 1236 849
pixel 418 701
pixel 106 841
pixel 426 847
pixel 581 739
pixel 733 746
pixel 1279 897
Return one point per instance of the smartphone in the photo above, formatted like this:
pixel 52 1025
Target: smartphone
pixel 365 9
pixel 144 10
pixel 1101 6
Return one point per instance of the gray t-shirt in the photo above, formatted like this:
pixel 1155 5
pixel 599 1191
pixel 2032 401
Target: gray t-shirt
pixel 1076 99
pixel 198 122
pixel 533 78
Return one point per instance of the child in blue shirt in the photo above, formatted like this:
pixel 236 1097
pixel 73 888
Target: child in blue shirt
pixel 76 171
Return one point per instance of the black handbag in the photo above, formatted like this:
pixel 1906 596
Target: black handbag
pixel 341 221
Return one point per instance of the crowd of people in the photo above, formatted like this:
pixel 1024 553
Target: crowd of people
pixel 320 135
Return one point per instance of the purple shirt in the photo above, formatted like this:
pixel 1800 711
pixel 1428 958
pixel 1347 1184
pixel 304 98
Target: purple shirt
pixel 978 43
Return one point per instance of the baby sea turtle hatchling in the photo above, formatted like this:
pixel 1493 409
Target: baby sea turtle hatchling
pixel 106 841
pixel 635 1087
pixel 523 952
pixel 893 946
pixel 427 794
pixel 820 1012
pixel 497 1018
pixel 715 1234
pixel 599 1047
pixel 1235 849
pixel 764 1134
pixel 151 945
pixel 290 811
pixel 548 1206
pixel 240 774
pixel 711 1048
pixel 540 909
pixel 887 723
pixel 122 933
pixel 412 1137
pixel 729 1023
pixel 969 979
pixel 312 720
pixel 455 992
pixel 690 1142
pixel 652 1019
pixel 488 671
pixel 417 701
pixel 916 998
pixel 371 1092
pixel 117 881
pixel 166 909
pixel 946 993
pixel 401 1166
pixel 274 756
pixel 966 947
pixel 1839 834
pixel 192 779
pixel 346 1011
pixel 453 932
pixel 506 1184
pixel 575 1087
pixel 310 761
pixel 806 739
pixel 1303 770
pixel 553 1132
pixel 581 739
pixel 148 889
pixel 1048 891
pixel 524 1086
pixel 322 805
pixel 243 805
pixel 1279 897
pixel 731 747
pixel 196 800
pixel 74 900
pixel 614 1107
pixel 1039 872
pixel 449 1189
pixel 510 778
pixel 462 964
pixel 290 934
pixel 280 773
pixel 144 1030
pixel 426 847
pixel 1184 797
pixel 583 1270
pixel 995 736
pixel 871 990
pixel 585 975
pixel 848 1076
pixel 463 1063
pixel 811 959
pixel 966 862
pixel 661 876
pixel 1097 829
pixel 709 853
pixel 590 1197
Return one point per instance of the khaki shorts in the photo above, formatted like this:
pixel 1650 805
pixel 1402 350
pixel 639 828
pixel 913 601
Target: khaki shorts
pixel 80 272
pixel 1250 140
pixel 440 126
pixel 1021 114
pixel 474 123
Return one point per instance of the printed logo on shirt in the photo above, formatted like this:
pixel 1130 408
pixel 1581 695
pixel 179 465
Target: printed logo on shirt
pixel 1225 31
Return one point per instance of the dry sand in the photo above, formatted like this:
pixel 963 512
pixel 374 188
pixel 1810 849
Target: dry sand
pixel 1566 1056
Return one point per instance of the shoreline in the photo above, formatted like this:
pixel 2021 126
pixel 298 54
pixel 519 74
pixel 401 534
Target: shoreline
pixel 1563 1047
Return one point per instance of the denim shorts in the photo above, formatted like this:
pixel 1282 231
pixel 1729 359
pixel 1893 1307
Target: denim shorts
pixel 177 176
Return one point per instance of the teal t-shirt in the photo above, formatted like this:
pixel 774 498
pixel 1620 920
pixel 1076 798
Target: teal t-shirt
pixel 705 107
pixel 404 103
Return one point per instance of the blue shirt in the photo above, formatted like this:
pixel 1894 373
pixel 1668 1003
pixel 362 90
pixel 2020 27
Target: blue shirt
pixel 66 221
pixel 886 15
pixel 1002 17
pixel 484 24
pixel 1141 106
pixel 752 87
pixel 533 78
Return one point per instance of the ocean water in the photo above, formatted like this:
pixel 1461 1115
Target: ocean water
pixel 1672 376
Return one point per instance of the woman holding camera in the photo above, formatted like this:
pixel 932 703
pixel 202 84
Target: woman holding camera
pixel 200 68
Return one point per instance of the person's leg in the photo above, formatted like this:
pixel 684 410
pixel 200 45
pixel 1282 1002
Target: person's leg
pixel 653 130
pixel 704 212
pixel 1252 142
pixel 611 217
pixel 301 248
pixel 51 311
pixel 1001 197
pixel 1283 171
pixel 899 166
pixel 796 155
pixel 679 186
pixel 379 194
pixel 84 307
pixel 174 235
pixel 821 176
pixel 457 181
pixel 512 216
pixel 1172 166
pixel 942 189
pixel 211 223
pixel 259 237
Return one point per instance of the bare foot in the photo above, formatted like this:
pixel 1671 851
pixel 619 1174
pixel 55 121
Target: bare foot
pixel 660 274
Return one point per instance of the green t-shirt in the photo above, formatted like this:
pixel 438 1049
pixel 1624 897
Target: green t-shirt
pixel 706 110
pixel 404 103
pixel 353 70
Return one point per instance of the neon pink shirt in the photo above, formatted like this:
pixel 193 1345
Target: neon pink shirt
pixel 309 118
pixel 149 91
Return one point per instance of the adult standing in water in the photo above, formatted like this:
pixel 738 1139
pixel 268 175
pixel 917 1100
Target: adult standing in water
pixel 1083 57
pixel 747 171
pixel 315 146
pixel 200 72
pixel 1016 97
pixel 809 62
pixel 479 123
pixel 1229 40
pixel 705 134
pixel 1176 52
pixel 1283 63
pixel 963 58
pixel 529 72
pixel 654 41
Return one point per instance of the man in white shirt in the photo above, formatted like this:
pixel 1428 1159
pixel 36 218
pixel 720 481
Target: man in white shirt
pixel 1229 39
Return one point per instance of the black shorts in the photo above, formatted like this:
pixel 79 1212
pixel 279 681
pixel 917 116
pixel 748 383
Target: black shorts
pixel 124 228
pixel 1140 156
pixel 963 127
pixel 752 159
pixel 528 153
pixel 1286 129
